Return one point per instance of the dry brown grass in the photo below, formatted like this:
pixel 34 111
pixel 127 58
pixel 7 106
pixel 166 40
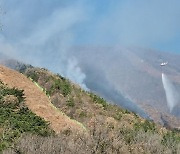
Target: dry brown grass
pixel 104 138
pixel 37 101
pixel 110 130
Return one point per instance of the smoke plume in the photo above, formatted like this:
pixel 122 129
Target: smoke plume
pixel 171 93
pixel 46 33
pixel 42 37
pixel 98 83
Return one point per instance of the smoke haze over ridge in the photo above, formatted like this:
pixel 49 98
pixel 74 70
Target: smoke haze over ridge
pixel 40 32
pixel 46 43
pixel 43 33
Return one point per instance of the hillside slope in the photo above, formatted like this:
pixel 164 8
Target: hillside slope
pixel 112 129
pixel 135 73
pixel 109 128
pixel 129 77
pixel 37 101
pixel 16 119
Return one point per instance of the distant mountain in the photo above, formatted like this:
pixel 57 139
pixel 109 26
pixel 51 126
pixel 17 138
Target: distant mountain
pixel 129 77
pixel 105 90
pixel 134 72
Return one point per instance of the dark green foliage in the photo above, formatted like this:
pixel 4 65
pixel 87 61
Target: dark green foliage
pixel 63 86
pixel 16 119
pixel 22 67
pixel 62 78
pixel 70 102
pixel 4 91
pixel 33 75
pixel 135 114
pixel 125 111
pixel 12 91
pixel 170 140
pixel 60 85
pixel 82 114
pixel 131 134
pixel 170 137
pixel 128 135
pixel 146 126
pixel 99 100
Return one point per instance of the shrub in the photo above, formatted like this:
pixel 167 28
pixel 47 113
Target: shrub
pixel 70 102
pixel 146 126
pixel 82 114
pixel 16 119
pixel 99 100
pixel 62 85
pixel 125 111
pixel 171 140
pixel 33 75
pixel 128 135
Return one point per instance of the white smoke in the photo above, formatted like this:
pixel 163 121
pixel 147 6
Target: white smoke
pixel 45 43
pixel 171 93
pixel 75 74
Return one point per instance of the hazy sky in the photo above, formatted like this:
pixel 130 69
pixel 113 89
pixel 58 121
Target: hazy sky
pixel 147 23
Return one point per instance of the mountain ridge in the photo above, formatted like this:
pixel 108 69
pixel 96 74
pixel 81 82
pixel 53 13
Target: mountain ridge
pixel 109 128
pixel 37 101
pixel 134 72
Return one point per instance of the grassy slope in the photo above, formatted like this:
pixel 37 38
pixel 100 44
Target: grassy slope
pixel 37 101
pixel 16 119
pixel 111 128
